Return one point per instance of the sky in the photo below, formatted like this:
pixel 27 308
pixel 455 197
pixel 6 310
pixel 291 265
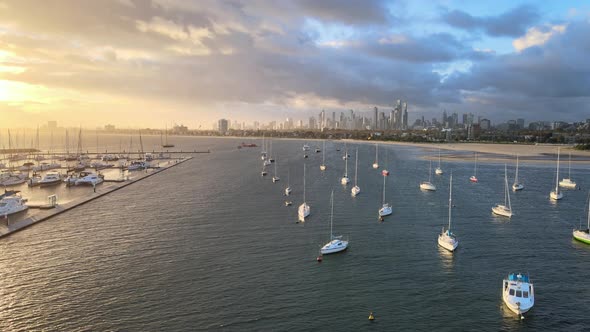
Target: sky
pixel 151 63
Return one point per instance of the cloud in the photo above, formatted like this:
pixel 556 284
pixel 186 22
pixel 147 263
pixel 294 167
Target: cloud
pixel 536 36
pixel 511 23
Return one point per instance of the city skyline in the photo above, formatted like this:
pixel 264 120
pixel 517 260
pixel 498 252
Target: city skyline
pixel 150 63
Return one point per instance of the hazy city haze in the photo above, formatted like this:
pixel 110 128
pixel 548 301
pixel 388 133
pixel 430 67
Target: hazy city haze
pixel 144 63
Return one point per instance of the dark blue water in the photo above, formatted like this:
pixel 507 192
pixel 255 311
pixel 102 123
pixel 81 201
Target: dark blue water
pixel 209 245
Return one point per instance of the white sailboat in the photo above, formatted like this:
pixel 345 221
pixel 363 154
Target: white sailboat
pixel 447 239
pixel 323 165
pixel 518 293
pixel 427 185
pixel 288 188
pixel 583 235
pixel 385 209
pixel 276 177
pixel 438 170
pixel 271 159
pixel 556 194
pixel 336 244
pixel 473 178
pixel 345 180
pixel 506 209
pixel 263 151
pixel 263 172
pixel 568 182
pixel 356 189
pixel 376 163
pixel 304 209
pixel 516 186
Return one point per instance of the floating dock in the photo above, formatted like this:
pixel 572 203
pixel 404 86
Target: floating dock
pixel 101 190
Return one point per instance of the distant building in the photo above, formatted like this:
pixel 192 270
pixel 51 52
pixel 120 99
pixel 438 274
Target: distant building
pixel 485 124
pixel 180 129
pixel 520 123
pixel 375 118
pixel 223 126
pixel 109 127
pixel 52 124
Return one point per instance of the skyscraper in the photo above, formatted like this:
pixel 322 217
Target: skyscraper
pixel 223 126
pixel 405 117
pixel 375 118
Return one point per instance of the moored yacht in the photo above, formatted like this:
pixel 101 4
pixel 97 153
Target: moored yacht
pixel 12 179
pixel 438 170
pixel 50 178
pixel 304 210
pixel 556 194
pixel 12 204
pixel 376 163
pixel 446 238
pixel 518 293
pixel 336 244
pixel 86 178
pixel 356 189
pixel 583 235
pixel 345 180
pixel 568 182
pixel 473 178
pixel 427 185
pixel 516 186
pixel 385 209
pixel 506 209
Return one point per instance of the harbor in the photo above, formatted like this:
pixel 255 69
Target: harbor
pixel 44 211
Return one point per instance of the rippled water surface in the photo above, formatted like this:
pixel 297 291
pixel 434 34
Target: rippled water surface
pixel 209 245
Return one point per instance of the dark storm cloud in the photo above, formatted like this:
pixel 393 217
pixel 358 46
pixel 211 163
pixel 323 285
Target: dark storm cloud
pixel 512 23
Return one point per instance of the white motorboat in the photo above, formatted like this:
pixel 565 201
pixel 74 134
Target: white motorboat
pixel 336 244
pixel 438 170
pixel 345 180
pixel 323 165
pixel 50 178
pixel 568 182
pixel 427 185
pixel 304 210
pixel 516 186
pixel 556 194
pixel 518 293
pixel 446 238
pixel 386 208
pixel 376 163
pixel 138 165
pixel 473 178
pixel 583 235
pixel 34 180
pixel 46 167
pixel 356 189
pixel 12 204
pixel 506 209
pixel 91 179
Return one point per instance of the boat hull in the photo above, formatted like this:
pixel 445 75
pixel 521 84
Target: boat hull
pixel 375 165
pixel 517 187
pixel 427 186
pixel 581 236
pixel 355 191
pixel 303 212
pixel 323 167
pixel 556 195
pixel 345 180
pixel 385 211
pixel 501 210
pixel 438 171
pixel 332 247
pixel 473 179
pixel 568 183
pixel 447 243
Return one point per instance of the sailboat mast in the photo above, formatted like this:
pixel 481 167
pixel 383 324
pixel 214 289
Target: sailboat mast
pixel 450 199
pixel 438 158
pixel 376 153
pixel 356 167
pixel 505 185
pixel 516 176
pixel 332 215
pixel 384 189
pixel 475 170
pixel 430 172
pixel 303 183
pixel 346 162
pixel 557 176
pixel 324 154
pixel 569 175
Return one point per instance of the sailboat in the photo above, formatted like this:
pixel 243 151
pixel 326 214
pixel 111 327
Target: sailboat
pixel 473 178
pixel 556 194
pixel 583 235
pixel 376 163
pixel 263 172
pixel 304 209
pixel 323 165
pixel 385 171
pixel 506 209
pixel 336 244
pixel 166 144
pixel 356 189
pixel 288 188
pixel 276 177
pixel 385 209
pixel 447 239
pixel 345 180
pixel 263 149
pixel 438 170
pixel 427 185
pixel 516 186
pixel 568 182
